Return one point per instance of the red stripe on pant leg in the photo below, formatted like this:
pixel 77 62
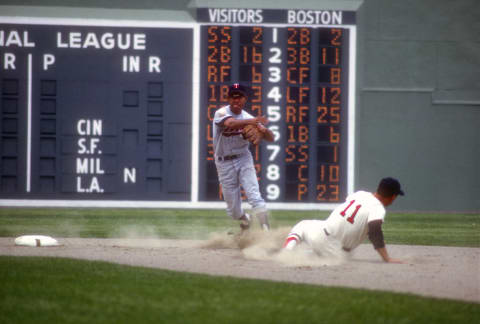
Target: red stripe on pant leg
pixel 289 239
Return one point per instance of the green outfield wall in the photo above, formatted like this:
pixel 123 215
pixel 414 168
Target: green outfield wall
pixel 419 101
pixel 418 87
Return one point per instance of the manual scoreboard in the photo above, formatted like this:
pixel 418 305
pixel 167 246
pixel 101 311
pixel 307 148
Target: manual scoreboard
pixel 299 78
pixel 92 112
pixel 98 112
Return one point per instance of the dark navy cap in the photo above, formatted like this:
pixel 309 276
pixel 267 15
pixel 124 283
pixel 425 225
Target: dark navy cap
pixel 389 187
pixel 237 89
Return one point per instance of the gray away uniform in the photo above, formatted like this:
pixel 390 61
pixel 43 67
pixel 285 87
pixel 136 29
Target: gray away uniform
pixel 235 166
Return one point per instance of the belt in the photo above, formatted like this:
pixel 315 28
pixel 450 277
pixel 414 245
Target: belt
pixel 228 157
pixel 343 248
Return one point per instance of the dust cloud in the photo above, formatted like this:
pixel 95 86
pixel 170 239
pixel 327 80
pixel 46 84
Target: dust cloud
pixel 267 246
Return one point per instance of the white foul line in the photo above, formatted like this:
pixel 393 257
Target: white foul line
pixel 29 122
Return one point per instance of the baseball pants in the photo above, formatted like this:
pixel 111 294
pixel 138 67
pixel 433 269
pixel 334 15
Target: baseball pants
pixel 232 174
pixel 312 232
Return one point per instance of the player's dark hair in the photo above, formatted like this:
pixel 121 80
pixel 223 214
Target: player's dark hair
pixel 389 187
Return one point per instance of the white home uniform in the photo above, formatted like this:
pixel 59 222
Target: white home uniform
pixel 235 166
pixel 343 230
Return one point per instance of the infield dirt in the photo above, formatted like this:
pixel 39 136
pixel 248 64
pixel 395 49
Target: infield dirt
pixel 443 272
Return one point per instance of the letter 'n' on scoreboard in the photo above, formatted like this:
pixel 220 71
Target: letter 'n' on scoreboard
pixel 118 113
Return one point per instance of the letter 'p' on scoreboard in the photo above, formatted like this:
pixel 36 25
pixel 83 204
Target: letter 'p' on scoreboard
pixel 103 113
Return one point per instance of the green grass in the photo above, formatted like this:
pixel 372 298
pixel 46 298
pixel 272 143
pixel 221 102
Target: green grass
pixel 52 290
pixel 433 229
pixel 399 228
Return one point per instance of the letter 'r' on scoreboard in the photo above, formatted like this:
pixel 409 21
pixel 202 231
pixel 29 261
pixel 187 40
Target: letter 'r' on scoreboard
pixel 299 66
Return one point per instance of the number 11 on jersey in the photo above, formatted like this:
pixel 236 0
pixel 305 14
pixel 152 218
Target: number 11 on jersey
pixel 351 219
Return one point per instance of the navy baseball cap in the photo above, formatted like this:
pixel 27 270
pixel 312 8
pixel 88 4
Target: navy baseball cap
pixel 237 89
pixel 389 187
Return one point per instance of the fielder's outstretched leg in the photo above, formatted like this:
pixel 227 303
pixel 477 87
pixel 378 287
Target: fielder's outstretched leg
pixel 261 213
pixel 231 189
pixel 245 221
pixel 248 179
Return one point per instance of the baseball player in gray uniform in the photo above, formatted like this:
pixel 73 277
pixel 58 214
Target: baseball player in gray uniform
pixel 361 215
pixel 233 159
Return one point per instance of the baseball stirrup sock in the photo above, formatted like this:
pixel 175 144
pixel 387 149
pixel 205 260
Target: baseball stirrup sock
pixel 290 242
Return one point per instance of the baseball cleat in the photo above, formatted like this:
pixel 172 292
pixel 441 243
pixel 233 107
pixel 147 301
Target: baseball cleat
pixel 245 222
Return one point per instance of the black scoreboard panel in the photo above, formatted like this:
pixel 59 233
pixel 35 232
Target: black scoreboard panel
pixel 298 76
pixel 95 112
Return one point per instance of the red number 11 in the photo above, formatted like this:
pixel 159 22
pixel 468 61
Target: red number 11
pixel 351 218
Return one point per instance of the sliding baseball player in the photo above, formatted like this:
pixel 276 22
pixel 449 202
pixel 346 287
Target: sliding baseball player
pixel 361 215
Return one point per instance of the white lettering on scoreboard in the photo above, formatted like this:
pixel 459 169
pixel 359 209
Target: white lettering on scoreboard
pixel 14 38
pixel 108 41
pixel 88 163
pixel 79 41
pixel 236 15
pixel 258 16
pixel 316 17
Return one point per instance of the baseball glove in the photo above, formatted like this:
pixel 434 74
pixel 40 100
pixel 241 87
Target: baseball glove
pixel 253 134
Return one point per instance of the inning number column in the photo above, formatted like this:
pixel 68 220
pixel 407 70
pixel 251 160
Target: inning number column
pixel 274 101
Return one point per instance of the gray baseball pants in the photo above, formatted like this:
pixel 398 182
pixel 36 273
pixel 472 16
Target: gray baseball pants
pixel 232 174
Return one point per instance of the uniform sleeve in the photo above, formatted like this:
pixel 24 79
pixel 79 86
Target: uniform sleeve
pixel 375 234
pixel 246 115
pixel 220 116
pixel 377 212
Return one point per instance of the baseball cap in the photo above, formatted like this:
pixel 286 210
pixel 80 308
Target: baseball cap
pixel 237 89
pixel 389 187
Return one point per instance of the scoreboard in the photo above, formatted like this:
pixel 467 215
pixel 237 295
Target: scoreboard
pixel 95 113
pixel 299 72
pixel 92 112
